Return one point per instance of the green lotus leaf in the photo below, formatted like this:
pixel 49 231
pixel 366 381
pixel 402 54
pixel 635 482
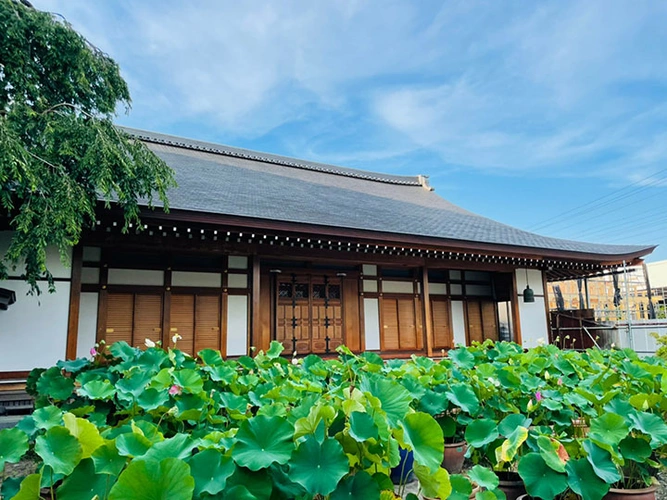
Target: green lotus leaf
pixel 153 480
pixel 123 350
pixel 432 403
pixel 448 425
pixel 59 450
pixel 210 357
pixel 83 483
pixel 132 444
pixel 360 485
pixel 275 349
pixel 509 424
pixel 601 462
pixel 73 365
pixel 239 492
pixel 508 378
pixel 462 358
pixel 481 432
pixel 394 398
pixel 583 480
pixel 283 486
pixel 189 380
pixel 97 389
pixel 210 469
pixel 609 429
pixel 232 402
pixel 10 487
pixel 55 385
pixel 87 434
pixel 462 396
pixel 651 425
pixel 644 401
pixel 541 480
pixel 510 447
pixel 133 385
pixel 362 426
pixel 461 487
pixel 151 399
pixel 262 441
pixel 13 445
pixel 433 484
pixel 548 449
pixel 179 446
pixel 318 466
pixel 424 436
pixel 107 460
pixel 635 448
pixel 483 477
pixel 29 489
pixel 258 484
pixel 496 494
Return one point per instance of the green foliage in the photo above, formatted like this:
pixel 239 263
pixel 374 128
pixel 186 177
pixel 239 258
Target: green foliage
pixel 59 150
pixel 263 427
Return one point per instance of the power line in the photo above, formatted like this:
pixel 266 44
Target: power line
pixel 547 222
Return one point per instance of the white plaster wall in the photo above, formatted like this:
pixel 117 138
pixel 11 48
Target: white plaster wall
pixel 657 273
pixel 189 278
pixel 33 331
pixel 53 262
pixel 372 324
pixel 135 277
pixel 534 280
pixel 534 325
pixel 237 325
pixel 87 323
pixel 458 323
pixel 397 287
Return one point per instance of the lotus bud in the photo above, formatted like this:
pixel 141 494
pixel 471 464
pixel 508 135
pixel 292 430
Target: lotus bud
pixel 149 343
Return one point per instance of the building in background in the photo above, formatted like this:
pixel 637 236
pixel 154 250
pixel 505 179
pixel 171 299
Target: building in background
pixel 258 247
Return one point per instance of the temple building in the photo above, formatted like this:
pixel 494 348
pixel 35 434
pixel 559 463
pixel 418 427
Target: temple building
pixel 258 247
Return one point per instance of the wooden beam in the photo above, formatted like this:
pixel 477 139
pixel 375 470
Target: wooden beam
pixel 516 317
pixel 426 310
pixel 74 303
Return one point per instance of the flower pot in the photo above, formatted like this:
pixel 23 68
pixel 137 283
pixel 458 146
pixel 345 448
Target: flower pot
pixel 511 484
pixel 402 473
pixel 454 457
pixel 640 494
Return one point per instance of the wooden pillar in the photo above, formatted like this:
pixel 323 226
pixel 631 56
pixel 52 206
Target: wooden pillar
pixel 74 302
pixel 545 291
pixel 256 317
pixel 166 307
pixel 516 318
pixel 102 300
pixel 428 317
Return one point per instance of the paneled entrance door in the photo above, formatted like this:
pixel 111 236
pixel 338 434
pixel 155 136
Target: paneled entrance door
pixel 309 315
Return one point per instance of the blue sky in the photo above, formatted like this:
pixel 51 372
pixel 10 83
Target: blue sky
pixel 520 111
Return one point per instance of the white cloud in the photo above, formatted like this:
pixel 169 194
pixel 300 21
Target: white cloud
pixel 572 88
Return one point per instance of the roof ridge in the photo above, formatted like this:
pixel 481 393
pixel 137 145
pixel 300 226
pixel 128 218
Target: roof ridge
pixel 182 142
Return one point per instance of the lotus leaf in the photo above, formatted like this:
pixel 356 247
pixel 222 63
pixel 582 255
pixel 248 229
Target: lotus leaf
pixel 59 450
pixel 541 480
pixel 13 445
pixel 262 441
pixel 318 467
pixel 153 480
pixel 360 485
pixel 210 469
pixel 424 436
pixel 583 480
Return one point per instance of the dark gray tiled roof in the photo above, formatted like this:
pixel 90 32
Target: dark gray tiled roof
pixel 230 181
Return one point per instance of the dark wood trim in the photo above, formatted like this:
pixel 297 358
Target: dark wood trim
pixel 516 316
pixel 255 330
pixel 74 303
pixel 426 312
pixel 546 303
pixel 166 307
pixel 20 375
pixel 392 239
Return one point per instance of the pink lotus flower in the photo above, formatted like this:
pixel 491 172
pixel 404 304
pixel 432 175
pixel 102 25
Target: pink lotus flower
pixel 175 389
pixel 93 351
pixel 538 396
